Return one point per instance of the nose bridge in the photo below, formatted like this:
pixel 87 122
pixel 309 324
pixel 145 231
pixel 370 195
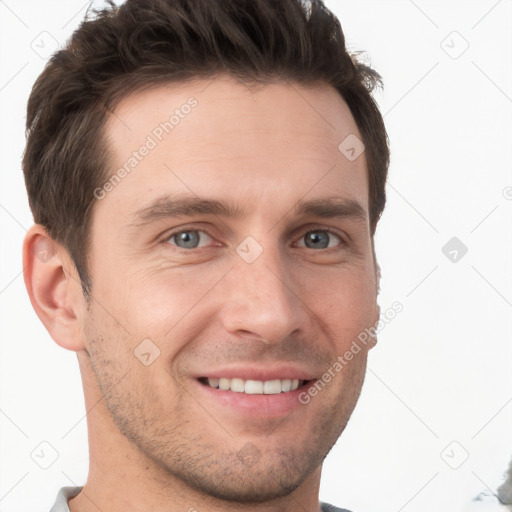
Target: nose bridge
pixel 261 301
pixel 264 280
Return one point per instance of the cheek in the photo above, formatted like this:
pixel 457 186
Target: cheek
pixel 345 300
pixel 152 300
pixel 167 298
pixel 126 366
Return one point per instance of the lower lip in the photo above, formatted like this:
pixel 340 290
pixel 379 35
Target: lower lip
pixel 270 406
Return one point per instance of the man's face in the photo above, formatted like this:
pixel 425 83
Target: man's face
pixel 275 289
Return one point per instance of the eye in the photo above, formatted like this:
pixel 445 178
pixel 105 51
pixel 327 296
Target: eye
pixel 320 239
pixel 314 239
pixel 188 239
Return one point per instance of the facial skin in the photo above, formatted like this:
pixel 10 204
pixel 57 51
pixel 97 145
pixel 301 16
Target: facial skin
pixel 158 438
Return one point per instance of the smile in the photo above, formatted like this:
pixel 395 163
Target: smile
pixel 254 387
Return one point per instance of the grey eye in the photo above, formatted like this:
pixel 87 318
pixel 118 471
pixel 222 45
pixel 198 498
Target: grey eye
pixel 320 239
pixel 187 239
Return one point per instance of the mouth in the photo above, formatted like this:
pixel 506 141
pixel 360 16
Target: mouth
pixel 254 387
pixel 251 399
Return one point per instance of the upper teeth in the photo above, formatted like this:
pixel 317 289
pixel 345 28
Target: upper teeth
pixel 255 387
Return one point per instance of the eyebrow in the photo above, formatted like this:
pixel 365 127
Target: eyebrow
pixel 188 206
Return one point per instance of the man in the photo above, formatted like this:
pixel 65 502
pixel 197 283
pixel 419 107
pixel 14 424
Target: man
pixel 206 177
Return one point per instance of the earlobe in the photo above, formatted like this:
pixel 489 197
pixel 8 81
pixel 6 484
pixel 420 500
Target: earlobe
pixel 52 288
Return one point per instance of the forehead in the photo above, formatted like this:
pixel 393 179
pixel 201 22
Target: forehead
pixel 219 137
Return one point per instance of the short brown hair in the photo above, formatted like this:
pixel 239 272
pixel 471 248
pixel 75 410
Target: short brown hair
pixel 144 43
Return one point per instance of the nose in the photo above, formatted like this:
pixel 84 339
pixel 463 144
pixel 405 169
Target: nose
pixel 260 301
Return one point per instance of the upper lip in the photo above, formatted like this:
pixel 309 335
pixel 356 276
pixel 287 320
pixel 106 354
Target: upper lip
pixel 252 372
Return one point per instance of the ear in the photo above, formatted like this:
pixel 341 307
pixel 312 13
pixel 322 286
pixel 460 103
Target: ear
pixel 53 287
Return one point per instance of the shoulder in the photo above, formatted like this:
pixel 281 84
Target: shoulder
pixel 325 507
pixel 65 494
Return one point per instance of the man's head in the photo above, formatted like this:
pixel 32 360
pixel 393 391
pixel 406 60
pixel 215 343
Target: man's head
pixel 199 168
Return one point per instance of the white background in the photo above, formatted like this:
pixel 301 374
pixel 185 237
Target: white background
pixel 439 384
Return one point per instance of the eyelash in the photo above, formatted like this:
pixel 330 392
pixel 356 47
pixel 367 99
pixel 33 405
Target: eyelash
pixel 171 235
